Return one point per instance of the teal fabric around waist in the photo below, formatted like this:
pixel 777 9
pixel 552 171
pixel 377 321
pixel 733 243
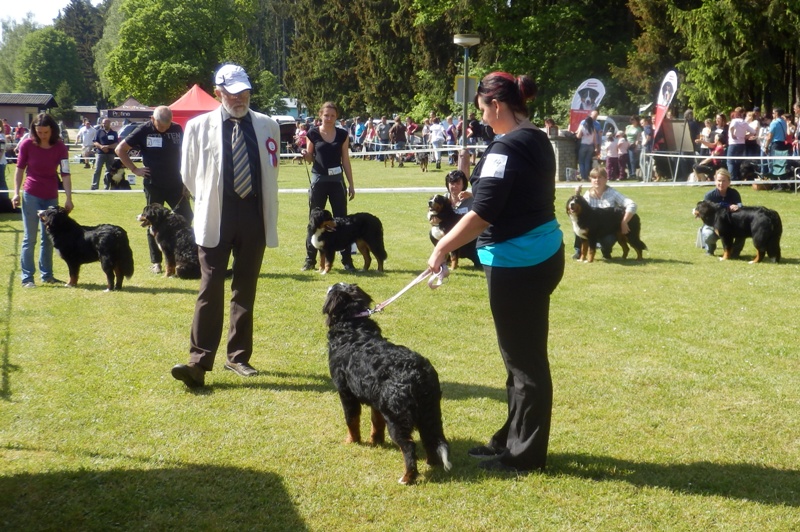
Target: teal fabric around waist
pixel 530 249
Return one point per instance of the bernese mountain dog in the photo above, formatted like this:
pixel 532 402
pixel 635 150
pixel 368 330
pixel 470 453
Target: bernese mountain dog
pixel 79 244
pixel 443 218
pixel 422 158
pixel 762 224
pixel 175 239
pixel 591 224
pixel 116 178
pixel 400 386
pixel 329 235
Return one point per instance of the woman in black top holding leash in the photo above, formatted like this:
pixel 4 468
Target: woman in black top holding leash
pixel 328 147
pixel 521 248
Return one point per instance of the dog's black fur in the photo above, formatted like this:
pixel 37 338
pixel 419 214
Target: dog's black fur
pixel 591 224
pixel 443 218
pixel 400 386
pixel 422 159
pixel 82 244
pixel 116 178
pixel 762 224
pixel 175 239
pixel 329 235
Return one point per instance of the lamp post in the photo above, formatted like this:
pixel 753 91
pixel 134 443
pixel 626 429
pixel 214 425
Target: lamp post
pixel 467 40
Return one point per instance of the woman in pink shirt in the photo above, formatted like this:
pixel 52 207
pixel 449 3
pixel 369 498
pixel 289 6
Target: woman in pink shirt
pixel 42 157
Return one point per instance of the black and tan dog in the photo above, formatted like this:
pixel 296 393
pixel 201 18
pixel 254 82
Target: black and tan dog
pixel 400 386
pixel 116 178
pixel 443 218
pixel 79 245
pixel 175 239
pixel 422 158
pixel 329 235
pixel 762 224
pixel 591 224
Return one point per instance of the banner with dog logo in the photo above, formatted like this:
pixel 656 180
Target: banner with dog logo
pixel 668 89
pixel 586 99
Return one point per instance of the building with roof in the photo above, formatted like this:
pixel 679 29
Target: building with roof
pixel 23 107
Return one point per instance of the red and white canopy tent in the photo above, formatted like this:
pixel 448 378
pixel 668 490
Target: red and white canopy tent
pixel 195 102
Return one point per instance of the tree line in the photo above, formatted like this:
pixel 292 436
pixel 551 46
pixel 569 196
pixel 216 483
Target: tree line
pixel 384 56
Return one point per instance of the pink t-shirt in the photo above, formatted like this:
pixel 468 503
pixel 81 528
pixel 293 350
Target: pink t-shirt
pixel 41 167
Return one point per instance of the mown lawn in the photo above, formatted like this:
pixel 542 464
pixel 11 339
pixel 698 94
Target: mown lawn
pixel 676 388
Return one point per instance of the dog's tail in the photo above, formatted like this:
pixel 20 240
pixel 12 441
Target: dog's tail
pixel 634 240
pixel 432 433
pixel 443 450
pixel 125 255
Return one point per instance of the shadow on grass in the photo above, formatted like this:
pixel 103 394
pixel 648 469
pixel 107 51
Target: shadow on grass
pixel 265 380
pixel 750 482
pixel 127 287
pixel 5 365
pixel 459 390
pixel 630 262
pixel 195 497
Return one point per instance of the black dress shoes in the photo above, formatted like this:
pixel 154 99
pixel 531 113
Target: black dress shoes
pixel 242 369
pixel 485 451
pixel 191 374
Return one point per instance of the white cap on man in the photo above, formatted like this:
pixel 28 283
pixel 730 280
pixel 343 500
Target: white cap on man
pixel 233 78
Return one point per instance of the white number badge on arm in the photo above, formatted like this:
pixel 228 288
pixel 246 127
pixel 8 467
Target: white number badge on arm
pixel 65 166
pixel 494 165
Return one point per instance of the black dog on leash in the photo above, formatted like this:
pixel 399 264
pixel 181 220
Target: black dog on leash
pixel 329 235
pixel 174 238
pixel 400 386
pixel 79 245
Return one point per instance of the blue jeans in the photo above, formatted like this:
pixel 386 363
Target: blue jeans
pixel 585 154
pixel 30 221
pixel 102 160
pixel 735 150
pixel 437 146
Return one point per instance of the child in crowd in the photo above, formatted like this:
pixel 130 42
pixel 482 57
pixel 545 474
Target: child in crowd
pixel 622 147
pixel 611 155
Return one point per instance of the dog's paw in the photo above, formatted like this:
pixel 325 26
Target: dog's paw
pixel 408 478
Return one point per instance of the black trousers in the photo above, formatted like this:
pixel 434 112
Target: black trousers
pixel 241 234
pixel 173 197
pixel 318 195
pixel 520 302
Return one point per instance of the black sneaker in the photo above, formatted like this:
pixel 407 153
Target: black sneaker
pixel 308 265
pixel 349 268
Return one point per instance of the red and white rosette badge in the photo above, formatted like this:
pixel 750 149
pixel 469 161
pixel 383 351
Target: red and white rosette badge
pixel 272 148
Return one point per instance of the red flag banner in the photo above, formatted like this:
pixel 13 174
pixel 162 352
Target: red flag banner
pixel 668 89
pixel 587 98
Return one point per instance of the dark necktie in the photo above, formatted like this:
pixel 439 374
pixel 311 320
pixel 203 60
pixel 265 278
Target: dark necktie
pixel 242 183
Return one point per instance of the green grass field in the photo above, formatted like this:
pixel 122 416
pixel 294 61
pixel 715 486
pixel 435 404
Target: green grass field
pixel 676 381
